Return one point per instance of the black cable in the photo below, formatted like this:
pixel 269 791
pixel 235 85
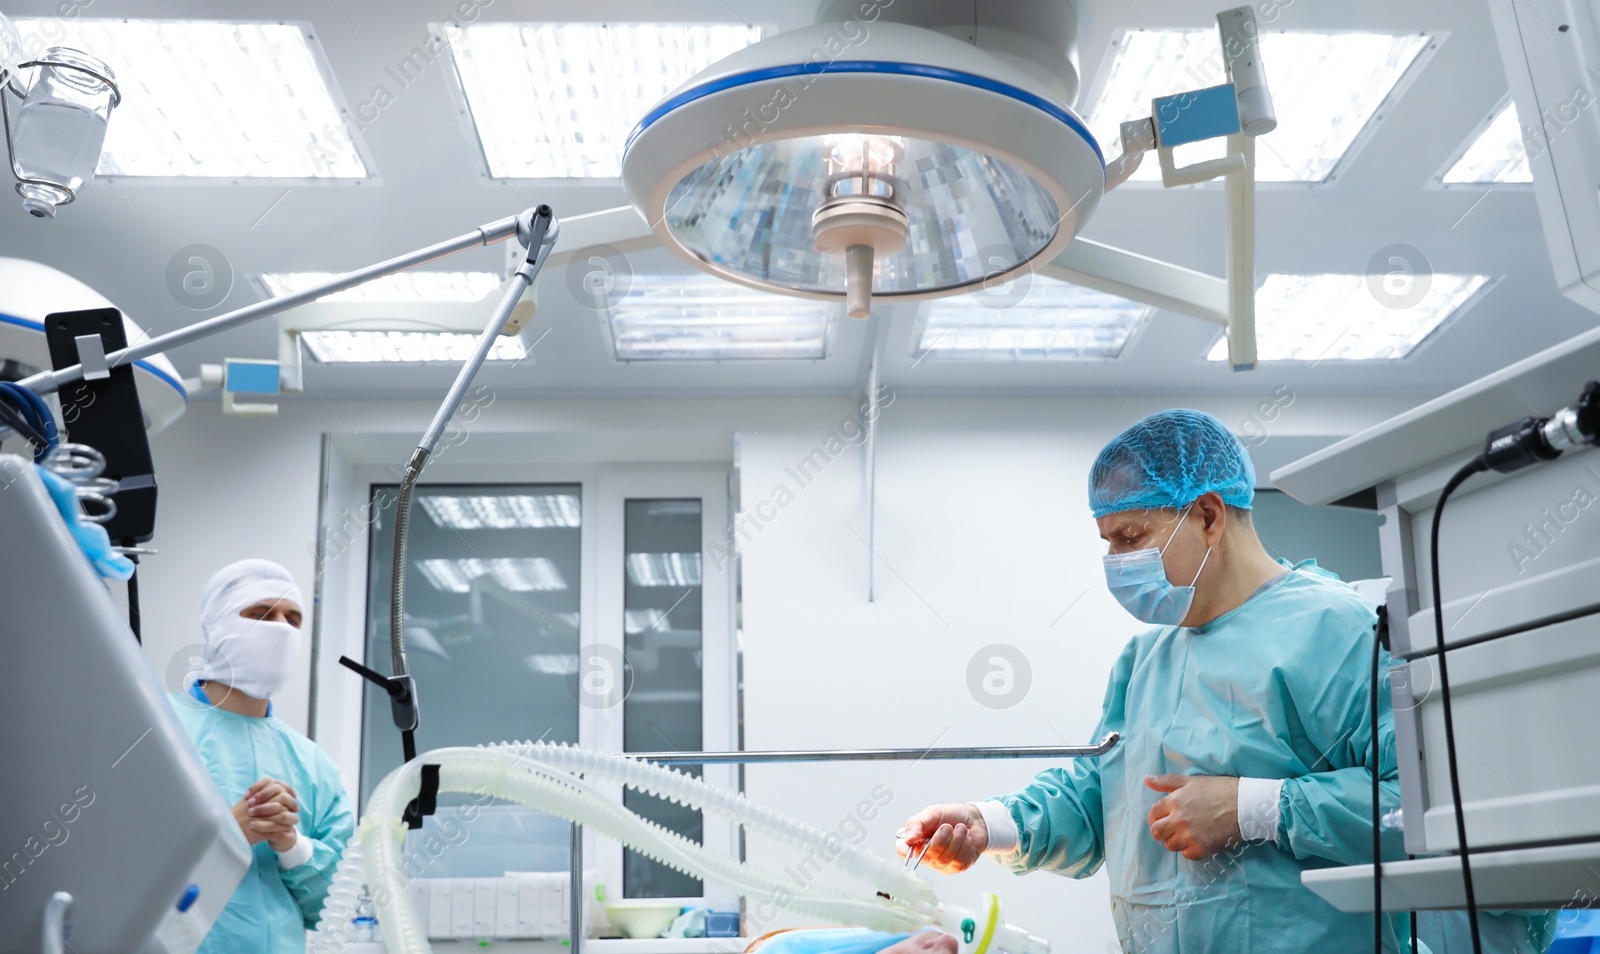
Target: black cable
pixel 1477 465
pixel 133 595
pixel 1377 838
pixel 10 417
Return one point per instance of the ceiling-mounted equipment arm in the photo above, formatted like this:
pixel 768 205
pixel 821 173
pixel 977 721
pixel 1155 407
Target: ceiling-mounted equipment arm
pixel 1239 110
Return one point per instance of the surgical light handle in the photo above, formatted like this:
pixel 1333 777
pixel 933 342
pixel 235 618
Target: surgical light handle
pixel 48 382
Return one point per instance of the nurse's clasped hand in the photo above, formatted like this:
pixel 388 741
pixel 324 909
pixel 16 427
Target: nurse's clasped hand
pixel 1199 815
pixel 955 835
pixel 269 812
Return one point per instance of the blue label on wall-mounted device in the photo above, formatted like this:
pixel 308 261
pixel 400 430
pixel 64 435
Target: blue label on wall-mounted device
pixel 1196 115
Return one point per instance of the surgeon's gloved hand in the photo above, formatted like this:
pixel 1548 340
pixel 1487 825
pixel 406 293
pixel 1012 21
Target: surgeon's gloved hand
pixel 1198 817
pixel 955 833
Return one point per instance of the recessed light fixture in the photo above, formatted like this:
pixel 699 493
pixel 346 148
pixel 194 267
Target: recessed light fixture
pixel 703 318
pixel 211 98
pixel 509 512
pixel 1035 318
pixel 401 286
pixel 1325 87
pixel 1498 154
pixel 1352 317
pixel 371 347
pixel 556 100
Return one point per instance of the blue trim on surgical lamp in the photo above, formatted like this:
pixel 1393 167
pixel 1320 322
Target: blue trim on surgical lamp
pixel 1054 110
pixel 177 385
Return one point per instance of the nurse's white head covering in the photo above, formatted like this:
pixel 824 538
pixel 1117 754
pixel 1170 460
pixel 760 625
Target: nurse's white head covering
pixel 238 586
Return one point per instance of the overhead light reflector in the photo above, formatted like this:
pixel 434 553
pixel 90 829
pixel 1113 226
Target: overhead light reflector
pixel 210 98
pixel 1037 319
pixel 556 100
pixel 1342 318
pixel 702 318
pixel 872 156
pixel 1325 88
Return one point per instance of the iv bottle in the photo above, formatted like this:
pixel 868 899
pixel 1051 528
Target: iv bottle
pixel 364 926
pixel 60 127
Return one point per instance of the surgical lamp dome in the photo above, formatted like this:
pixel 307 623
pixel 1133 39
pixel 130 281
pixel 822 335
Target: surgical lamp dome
pixel 904 164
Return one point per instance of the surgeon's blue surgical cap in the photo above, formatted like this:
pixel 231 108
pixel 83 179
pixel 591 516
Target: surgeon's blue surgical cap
pixel 1168 460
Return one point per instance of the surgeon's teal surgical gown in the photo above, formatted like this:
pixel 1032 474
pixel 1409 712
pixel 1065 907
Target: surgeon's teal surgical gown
pixel 273 906
pixel 1276 689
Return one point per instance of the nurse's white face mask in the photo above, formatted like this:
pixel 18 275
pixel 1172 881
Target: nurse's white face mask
pixel 256 656
pixel 1139 582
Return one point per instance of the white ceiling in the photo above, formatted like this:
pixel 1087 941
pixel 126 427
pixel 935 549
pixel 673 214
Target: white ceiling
pixel 120 234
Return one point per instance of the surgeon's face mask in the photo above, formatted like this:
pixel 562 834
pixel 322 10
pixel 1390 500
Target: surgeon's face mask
pixel 1139 582
pixel 256 656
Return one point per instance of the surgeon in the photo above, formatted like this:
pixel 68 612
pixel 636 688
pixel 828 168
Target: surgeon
pixel 1247 738
pixel 285 792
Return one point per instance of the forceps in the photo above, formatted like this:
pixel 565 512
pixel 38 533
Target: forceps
pixel 913 862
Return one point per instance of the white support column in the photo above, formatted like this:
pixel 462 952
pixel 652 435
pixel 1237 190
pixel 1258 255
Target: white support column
pixel 1242 255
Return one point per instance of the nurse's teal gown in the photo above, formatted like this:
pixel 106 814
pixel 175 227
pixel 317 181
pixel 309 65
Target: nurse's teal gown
pixel 273 906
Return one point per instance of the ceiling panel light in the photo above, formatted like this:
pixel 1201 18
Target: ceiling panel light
pixel 1497 155
pixel 516 512
pixel 1035 318
pixel 700 317
pixel 1343 318
pixel 556 100
pixel 365 347
pixel 664 569
pixel 401 286
pixel 212 98
pixel 517 574
pixel 1325 87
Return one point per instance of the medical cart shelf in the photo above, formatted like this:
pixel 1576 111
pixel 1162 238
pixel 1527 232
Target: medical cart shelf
pixel 1515 878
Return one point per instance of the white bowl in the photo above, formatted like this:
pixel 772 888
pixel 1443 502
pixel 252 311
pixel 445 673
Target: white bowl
pixel 642 917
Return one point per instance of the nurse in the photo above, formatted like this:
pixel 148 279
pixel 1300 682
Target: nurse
pixel 285 792
pixel 1247 740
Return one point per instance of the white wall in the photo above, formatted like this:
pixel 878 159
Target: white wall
pixel 983 538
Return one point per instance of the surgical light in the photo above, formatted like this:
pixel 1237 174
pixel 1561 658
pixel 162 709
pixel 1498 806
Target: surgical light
pixel 861 157
pixel 66 98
